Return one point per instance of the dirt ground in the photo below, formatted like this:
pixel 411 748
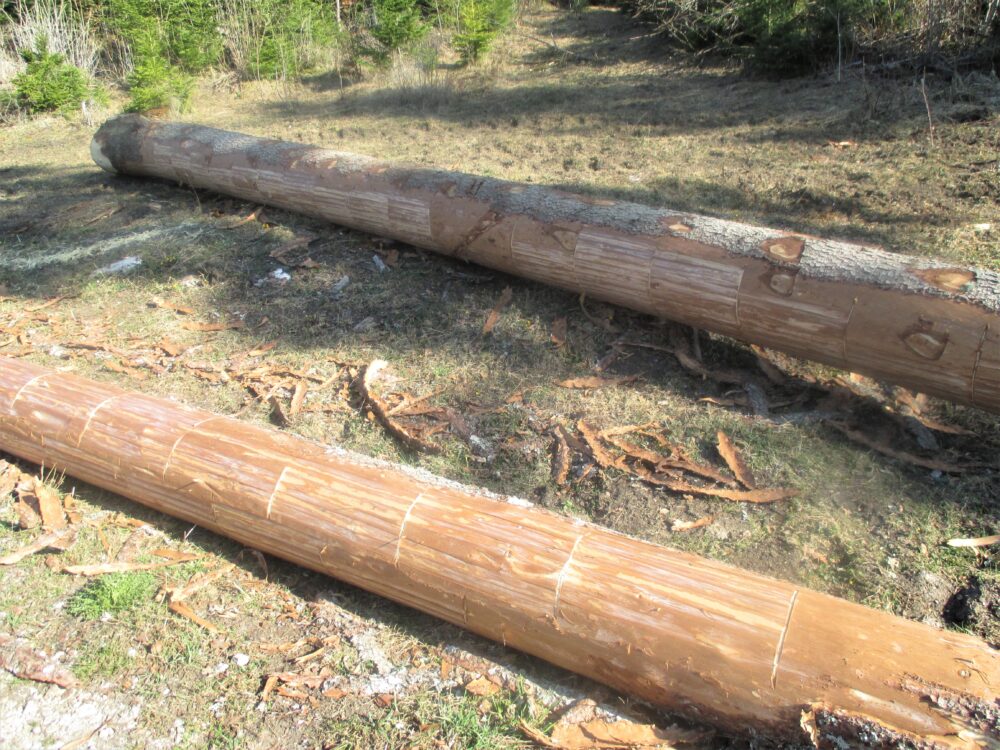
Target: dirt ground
pixel 585 101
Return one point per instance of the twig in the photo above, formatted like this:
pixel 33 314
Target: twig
pixel 560 50
pixel 927 103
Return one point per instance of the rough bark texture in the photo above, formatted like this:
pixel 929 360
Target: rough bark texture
pixel 915 322
pixel 745 652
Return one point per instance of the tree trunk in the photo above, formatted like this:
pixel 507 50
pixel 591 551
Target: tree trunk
pixel 745 652
pixel 912 321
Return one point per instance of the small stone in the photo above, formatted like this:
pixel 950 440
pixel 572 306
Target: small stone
pixel 241 660
pixel 340 286
pixel 120 267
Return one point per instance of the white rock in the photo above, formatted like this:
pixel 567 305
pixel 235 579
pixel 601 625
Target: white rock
pixel 380 265
pixel 120 267
pixel 241 660
pixel 341 285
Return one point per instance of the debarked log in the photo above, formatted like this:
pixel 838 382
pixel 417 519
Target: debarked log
pixel 915 322
pixel 714 643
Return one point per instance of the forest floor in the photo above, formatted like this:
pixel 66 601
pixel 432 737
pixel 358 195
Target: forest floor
pixel 585 101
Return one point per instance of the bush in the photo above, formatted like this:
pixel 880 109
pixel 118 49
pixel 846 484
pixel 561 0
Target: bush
pixel 184 32
pixel 49 83
pixel 789 37
pixel 480 22
pixel 272 39
pixel 154 83
pixel 392 25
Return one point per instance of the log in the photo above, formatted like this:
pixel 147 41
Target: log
pixel 748 653
pixel 920 323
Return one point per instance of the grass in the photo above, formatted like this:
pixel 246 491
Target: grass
pixel 113 594
pixel 104 661
pixel 601 114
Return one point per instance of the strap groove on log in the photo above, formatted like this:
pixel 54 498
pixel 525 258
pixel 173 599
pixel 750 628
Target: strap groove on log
pixel 916 322
pixel 746 652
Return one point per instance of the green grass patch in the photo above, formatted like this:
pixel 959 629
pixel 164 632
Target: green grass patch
pixel 106 660
pixel 118 592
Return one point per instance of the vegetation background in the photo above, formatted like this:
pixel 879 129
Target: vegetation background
pixel 61 55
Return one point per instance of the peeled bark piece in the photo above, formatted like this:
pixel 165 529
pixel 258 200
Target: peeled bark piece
pixel 717 644
pixel 20 659
pixel 912 321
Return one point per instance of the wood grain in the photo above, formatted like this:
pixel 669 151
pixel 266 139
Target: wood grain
pixel 916 322
pixel 746 652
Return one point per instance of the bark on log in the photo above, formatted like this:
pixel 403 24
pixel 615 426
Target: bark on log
pixel 745 652
pixel 916 322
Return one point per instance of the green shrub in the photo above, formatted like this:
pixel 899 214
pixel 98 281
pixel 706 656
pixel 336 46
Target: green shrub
pixel 480 22
pixel 393 25
pixel 273 39
pixel 186 31
pixel 49 83
pixel 112 593
pixel 154 82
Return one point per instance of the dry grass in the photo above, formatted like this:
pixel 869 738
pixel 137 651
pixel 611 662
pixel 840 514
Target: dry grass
pixel 595 108
pixel 56 22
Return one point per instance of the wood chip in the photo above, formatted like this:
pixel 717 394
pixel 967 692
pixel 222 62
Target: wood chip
pixel 26 507
pixel 690 525
pixel 21 660
pixel 310 656
pixel 734 460
pixel 50 505
pixel 595 381
pixel 195 325
pixel 50 302
pixel 979 541
pixel 171 348
pixel 380 413
pixel 262 349
pixel 887 450
pixel 604 735
pixel 182 609
pixel 269 685
pixel 252 216
pixel 100 569
pixel 279 416
pixel 298 398
pixel 482 687
pixel 561 458
pixel 558 332
pixel 180 593
pixel 592 437
pixel 165 305
pixel 494 317
pixel 634 451
pixel 59 540
pixel 175 555
pixel 760 496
